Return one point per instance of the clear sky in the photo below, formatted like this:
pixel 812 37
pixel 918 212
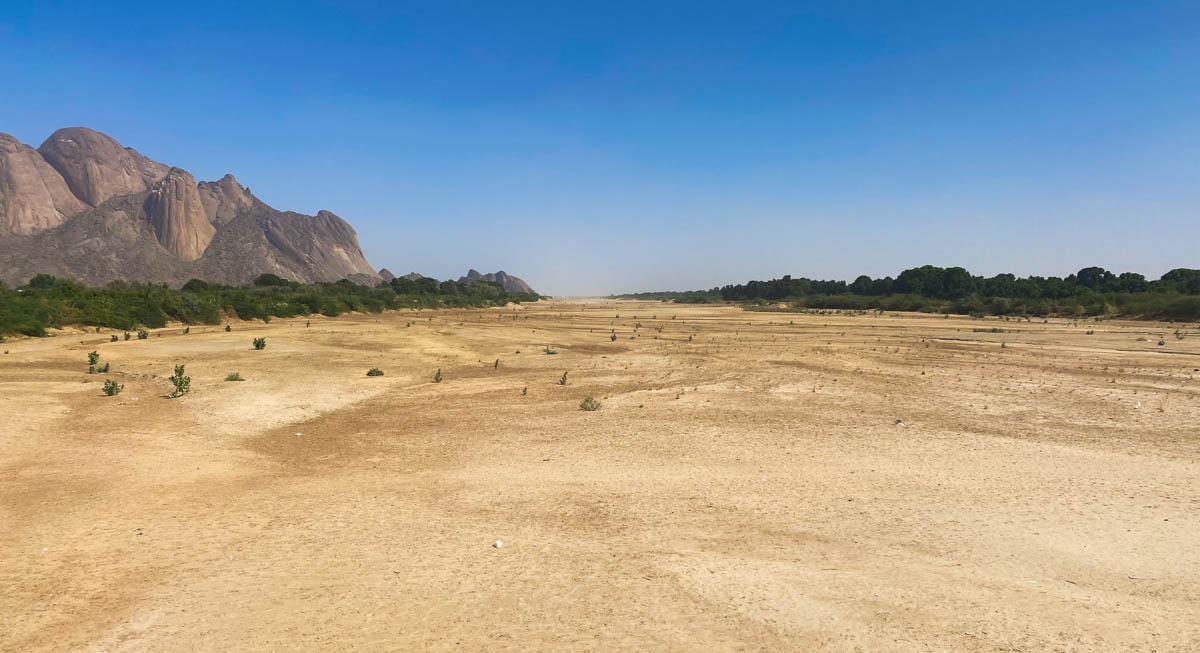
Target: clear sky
pixel 610 146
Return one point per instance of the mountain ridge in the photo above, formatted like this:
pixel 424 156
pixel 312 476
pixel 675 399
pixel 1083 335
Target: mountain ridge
pixel 81 205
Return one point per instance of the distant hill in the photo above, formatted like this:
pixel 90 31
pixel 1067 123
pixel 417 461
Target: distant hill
pixel 508 282
pixel 83 206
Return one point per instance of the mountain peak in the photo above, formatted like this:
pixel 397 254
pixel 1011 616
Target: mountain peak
pixel 507 281
pixel 86 207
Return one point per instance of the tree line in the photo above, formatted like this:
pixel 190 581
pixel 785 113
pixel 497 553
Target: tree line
pixel 1091 291
pixel 50 302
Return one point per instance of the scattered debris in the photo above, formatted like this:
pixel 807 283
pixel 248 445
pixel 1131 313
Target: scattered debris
pixel 497 544
pixel 900 422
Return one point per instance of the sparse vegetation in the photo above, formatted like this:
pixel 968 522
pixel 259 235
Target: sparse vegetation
pixel 114 338
pixel 234 376
pixel 260 343
pixel 143 334
pixel 550 351
pixel 112 387
pixel 437 378
pixel 93 357
pixel 589 404
pixel 49 302
pixel 374 371
pixel 182 383
pixel 562 380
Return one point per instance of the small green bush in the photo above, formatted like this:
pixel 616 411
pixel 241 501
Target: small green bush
pixel 589 404
pixel 183 384
pixel 228 328
pixel 127 336
pixel 437 378
pixel 562 380
pixel 234 376
pixel 113 338
pixel 143 334
pixel 93 357
pixel 613 337
pixel 374 371
pixel 260 343
pixel 112 387
pixel 524 391
pixel 187 330
pixel 103 370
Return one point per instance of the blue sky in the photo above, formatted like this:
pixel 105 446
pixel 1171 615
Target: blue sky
pixel 601 147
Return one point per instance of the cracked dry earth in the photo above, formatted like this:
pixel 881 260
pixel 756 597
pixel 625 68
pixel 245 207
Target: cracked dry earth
pixel 744 489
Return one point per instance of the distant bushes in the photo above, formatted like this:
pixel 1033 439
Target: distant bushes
pixel 48 302
pixel 1092 291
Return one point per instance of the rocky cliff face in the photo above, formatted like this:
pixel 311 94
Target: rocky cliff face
pixel 223 200
pixel 508 282
pixel 83 206
pixel 33 196
pixel 174 209
pixel 96 167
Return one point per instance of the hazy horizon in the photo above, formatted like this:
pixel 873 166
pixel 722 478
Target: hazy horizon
pixel 622 148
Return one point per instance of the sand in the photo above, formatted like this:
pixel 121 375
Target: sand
pixel 747 489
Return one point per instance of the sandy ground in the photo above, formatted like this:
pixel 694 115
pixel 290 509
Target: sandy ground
pixel 746 489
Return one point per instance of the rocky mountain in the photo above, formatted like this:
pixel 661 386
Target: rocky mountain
pixel 83 206
pixel 386 275
pixel 510 283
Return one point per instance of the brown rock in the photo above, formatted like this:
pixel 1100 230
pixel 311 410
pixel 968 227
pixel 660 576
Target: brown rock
pixel 33 196
pixel 151 222
pixel 177 215
pixel 96 167
pixel 224 200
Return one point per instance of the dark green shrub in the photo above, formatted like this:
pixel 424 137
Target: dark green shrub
pixel 183 384
pixel 112 387
pixel 234 376
pixel 437 378
pixel 374 371
pixel 589 404
pixel 562 380
pixel 127 336
pixel 613 337
pixel 260 343
pixel 93 357
pixel 103 370
pixel 113 338
pixel 228 328
pixel 143 334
